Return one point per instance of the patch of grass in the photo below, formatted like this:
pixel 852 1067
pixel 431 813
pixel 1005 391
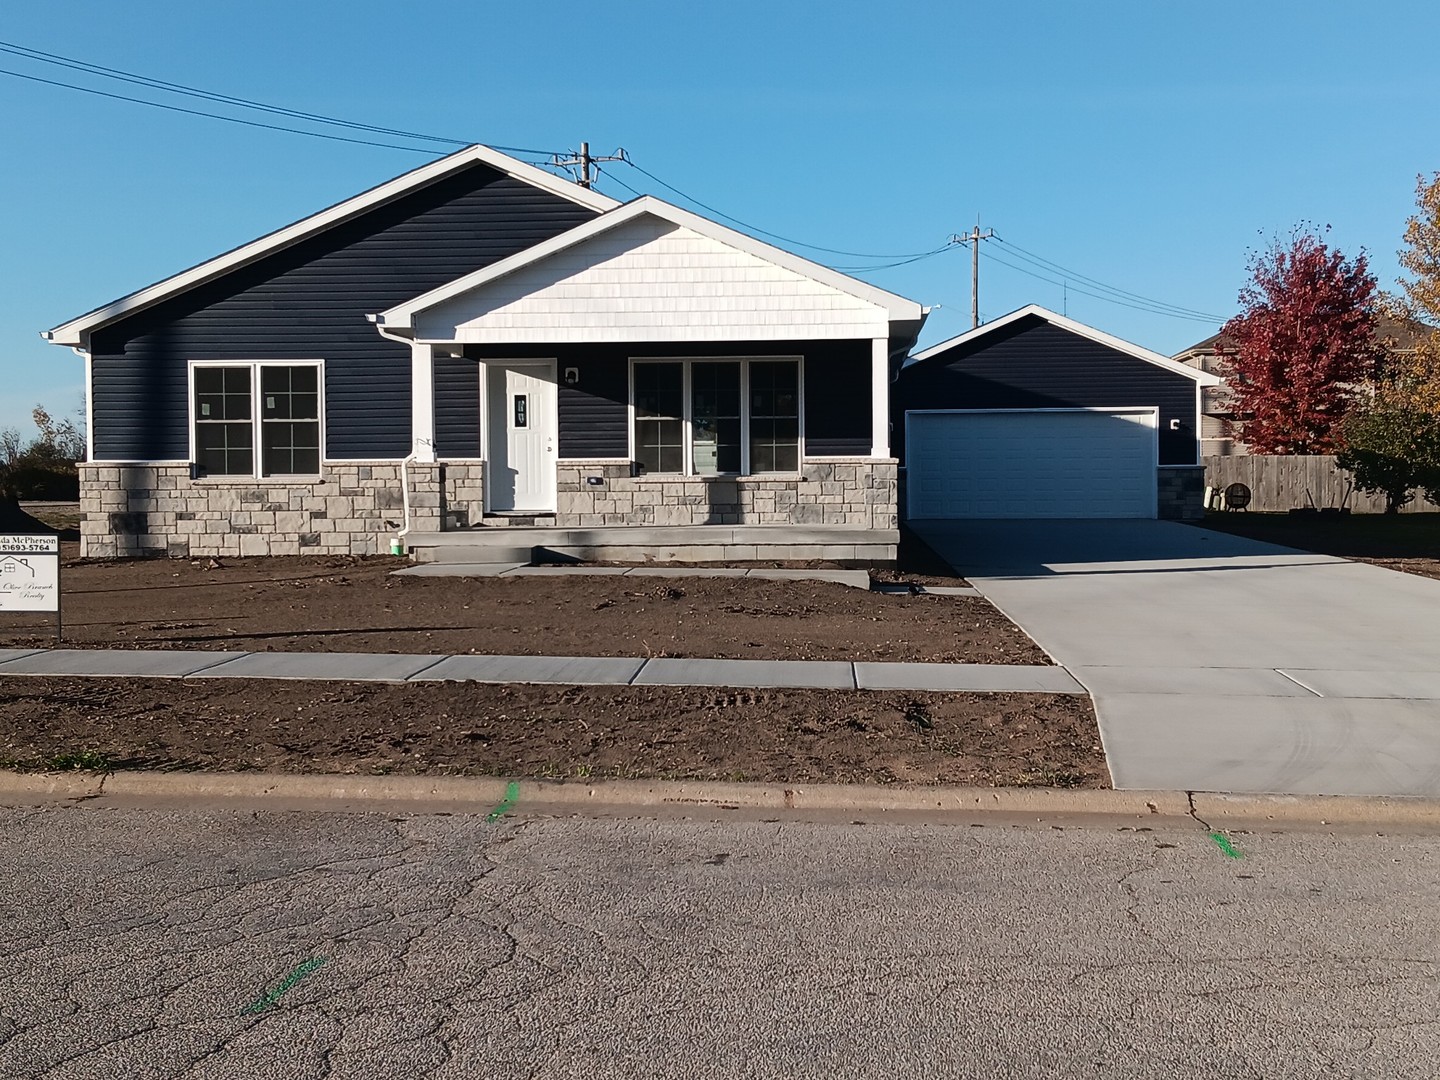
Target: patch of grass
pixel 79 760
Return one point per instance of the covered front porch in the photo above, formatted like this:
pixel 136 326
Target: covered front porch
pixel 650 372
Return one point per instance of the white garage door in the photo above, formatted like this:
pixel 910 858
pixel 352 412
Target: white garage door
pixel 1037 463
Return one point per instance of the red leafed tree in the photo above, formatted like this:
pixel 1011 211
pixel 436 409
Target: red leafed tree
pixel 1303 346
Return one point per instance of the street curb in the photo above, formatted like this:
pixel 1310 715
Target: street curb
pixel 483 794
pixel 1220 808
pixel 66 785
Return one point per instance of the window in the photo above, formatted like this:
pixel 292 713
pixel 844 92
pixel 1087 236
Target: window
pixel 229 426
pixel 774 417
pixel 715 417
pixel 659 417
pixel 691 416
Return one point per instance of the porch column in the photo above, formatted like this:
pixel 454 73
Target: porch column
pixel 422 402
pixel 880 397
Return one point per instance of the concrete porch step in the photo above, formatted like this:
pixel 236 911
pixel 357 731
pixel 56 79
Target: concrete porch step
pixel 682 543
pixel 517 521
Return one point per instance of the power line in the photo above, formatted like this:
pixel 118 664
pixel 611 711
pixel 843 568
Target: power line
pixel 218 116
pixel 599 172
pixel 1100 296
pixel 899 260
pixel 902 262
pixel 191 91
pixel 208 95
pixel 1054 267
pixel 775 236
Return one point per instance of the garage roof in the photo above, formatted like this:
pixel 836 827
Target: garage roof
pixel 1035 310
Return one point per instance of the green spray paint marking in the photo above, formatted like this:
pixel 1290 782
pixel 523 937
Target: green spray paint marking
pixel 290 980
pixel 512 793
pixel 1225 845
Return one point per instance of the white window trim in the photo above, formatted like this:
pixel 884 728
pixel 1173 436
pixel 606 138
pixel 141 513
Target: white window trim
pixel 689 472
pixel 255 418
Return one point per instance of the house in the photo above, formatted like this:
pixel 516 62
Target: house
pixel 1219 428
pixel 1034 415
pixel 481 343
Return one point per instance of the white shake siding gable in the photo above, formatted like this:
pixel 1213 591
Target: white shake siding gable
pixel 651 280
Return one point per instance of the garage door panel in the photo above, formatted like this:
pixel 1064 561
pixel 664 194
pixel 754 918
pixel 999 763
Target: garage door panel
pixel 1017 464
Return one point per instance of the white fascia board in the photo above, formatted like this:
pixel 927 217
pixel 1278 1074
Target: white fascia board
pixel 402 316
pixel 1202 378
pixel 73 332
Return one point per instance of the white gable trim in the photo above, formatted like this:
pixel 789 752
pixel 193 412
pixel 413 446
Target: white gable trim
pixel 402 317
pixel 75 331
pixel 1201 378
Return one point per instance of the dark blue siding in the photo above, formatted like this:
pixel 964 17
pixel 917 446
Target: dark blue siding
pixel 308 302
pixel 594 411
pixel 1032 364
pixel 457 407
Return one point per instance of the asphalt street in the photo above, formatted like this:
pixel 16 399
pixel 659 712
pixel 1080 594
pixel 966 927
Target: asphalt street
pixel 142 943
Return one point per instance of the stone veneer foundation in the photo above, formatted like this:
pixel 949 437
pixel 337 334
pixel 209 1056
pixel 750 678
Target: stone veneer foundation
pixel 357 506
pixel 1181 490
pixel 353 509
pixel 856 492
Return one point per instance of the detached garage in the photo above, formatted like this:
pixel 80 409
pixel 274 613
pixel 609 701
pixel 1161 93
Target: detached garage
pixel 1037 416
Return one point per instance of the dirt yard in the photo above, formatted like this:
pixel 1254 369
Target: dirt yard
pixel 626 732
pixel 354 605
pixel 1406 542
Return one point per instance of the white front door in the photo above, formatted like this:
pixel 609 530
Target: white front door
pixel 520 473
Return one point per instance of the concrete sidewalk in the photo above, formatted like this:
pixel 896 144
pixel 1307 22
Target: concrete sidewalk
pixel 565 670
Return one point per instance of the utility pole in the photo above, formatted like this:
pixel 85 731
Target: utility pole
pixel 585 160
pixel 974 241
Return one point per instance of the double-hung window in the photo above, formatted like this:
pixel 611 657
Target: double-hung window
pixel 256 419
pixel 709 417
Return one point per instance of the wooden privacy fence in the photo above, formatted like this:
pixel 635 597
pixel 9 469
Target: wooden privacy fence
pixel 1279 482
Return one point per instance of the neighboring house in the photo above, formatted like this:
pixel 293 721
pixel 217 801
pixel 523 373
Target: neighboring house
pixel 1219 429
pixel 1034 415
pixel 479 341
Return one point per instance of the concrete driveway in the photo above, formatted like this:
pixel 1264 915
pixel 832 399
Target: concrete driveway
pixel 1221 664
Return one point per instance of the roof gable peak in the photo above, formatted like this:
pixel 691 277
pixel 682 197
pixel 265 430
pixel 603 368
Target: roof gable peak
pixel 1078 328
pixel 76 332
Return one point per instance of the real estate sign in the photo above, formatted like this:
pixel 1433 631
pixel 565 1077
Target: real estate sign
pixel 29 573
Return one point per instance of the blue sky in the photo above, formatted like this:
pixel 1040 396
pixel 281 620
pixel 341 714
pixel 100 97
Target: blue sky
pixel 1143 145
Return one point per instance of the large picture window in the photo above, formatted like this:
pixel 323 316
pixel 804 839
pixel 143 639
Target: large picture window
pixel 709 417
pixel 238 408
